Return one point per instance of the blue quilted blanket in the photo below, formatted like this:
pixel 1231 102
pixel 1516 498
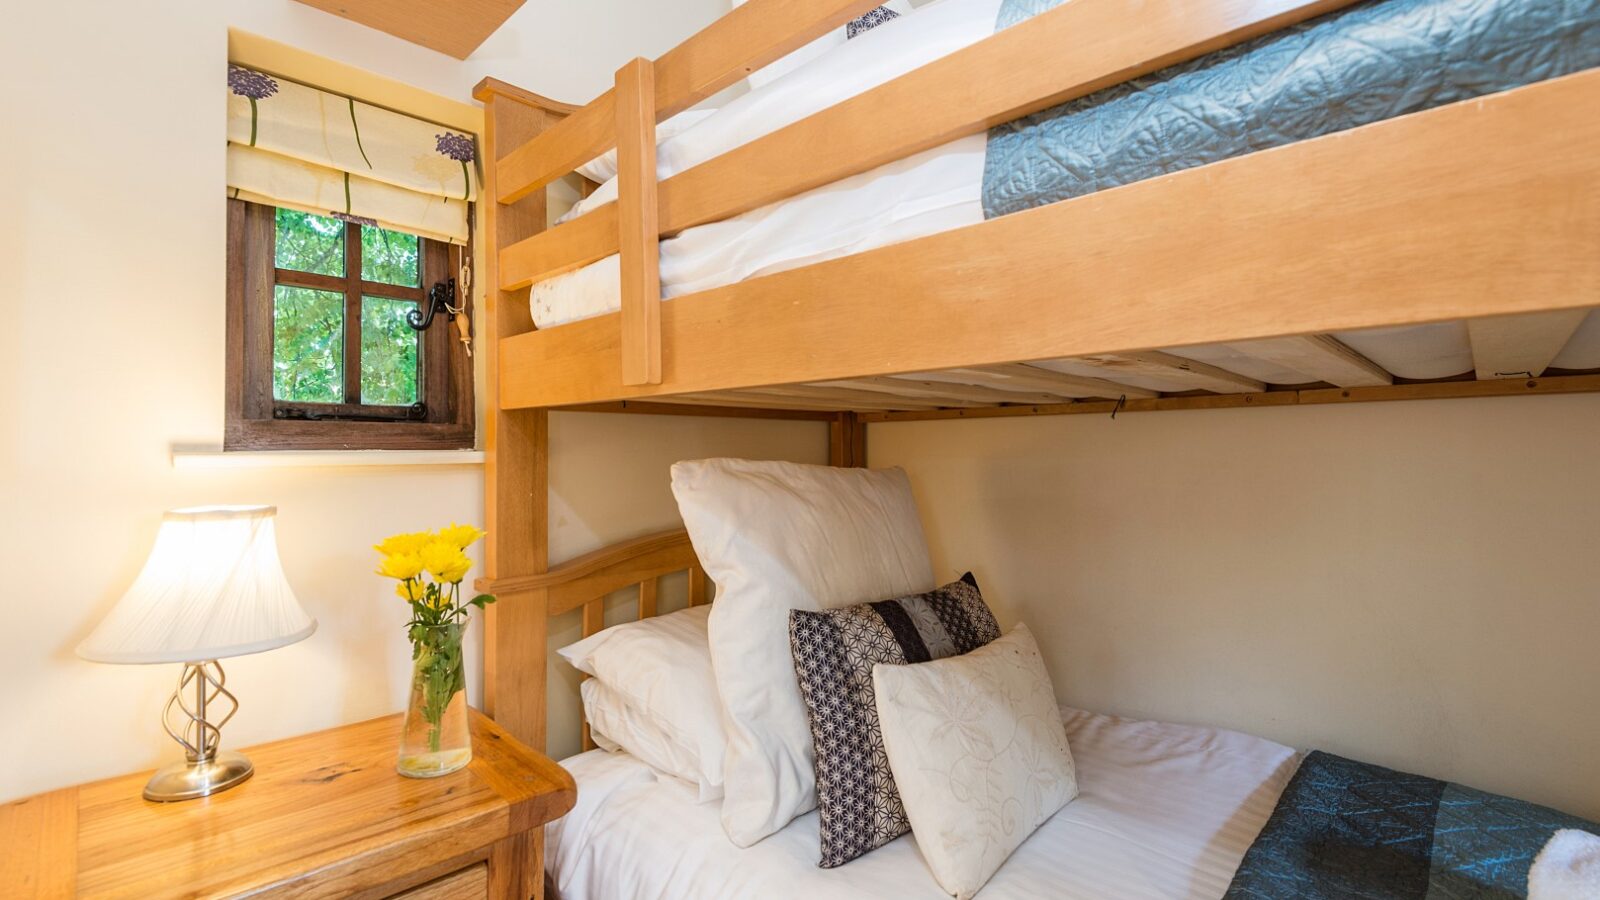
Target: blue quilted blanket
pixel 1344 829
pixel 1368 62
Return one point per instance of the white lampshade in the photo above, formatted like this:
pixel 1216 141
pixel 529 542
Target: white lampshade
pixel 212 588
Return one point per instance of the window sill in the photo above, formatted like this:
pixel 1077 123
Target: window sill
pixel 189 458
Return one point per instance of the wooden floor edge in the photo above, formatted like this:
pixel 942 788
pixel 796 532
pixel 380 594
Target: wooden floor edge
pixel 1442 390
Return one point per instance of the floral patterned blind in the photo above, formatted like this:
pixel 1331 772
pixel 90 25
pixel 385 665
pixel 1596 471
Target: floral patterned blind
pixel 295 146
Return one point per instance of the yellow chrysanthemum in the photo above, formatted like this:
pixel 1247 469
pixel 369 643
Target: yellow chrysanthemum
pixel 445 561
pixel 404 543
pixel 409 591
pixel 401 566
pixel 463 536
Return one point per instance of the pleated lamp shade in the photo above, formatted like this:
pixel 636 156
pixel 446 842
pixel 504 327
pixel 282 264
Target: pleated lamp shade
pixel 212 588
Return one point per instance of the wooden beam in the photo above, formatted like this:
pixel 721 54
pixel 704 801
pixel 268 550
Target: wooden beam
pixel 954 96
pixel 1485 207
pixel 454 29
pixel 1023 377
pixel 1319 357
pixel 1520 346
pixel 516 466
pixel 1442 390
pixel 722 53
pixel 1191 374
pixel 636 224
pixel 570 245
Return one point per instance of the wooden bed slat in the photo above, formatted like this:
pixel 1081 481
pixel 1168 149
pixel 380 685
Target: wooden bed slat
pixel 697 586
pixel 1017 71
pixel 747 38
pixel 1022 376
pixel 1320 358
pixel 1192 374
pixel 1508 186
pixel 1520 346
pixel 636 223
pixel 941 390
pixel 647 598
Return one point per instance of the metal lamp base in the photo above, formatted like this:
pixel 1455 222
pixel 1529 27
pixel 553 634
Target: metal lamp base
pixel 207 768
pixel 201 778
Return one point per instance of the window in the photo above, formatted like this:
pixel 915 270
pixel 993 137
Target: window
pixel 322 352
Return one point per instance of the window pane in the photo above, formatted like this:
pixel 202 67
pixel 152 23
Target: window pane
pixel 307 345
pixel 389 257
pixel 388 353
pixel 308 243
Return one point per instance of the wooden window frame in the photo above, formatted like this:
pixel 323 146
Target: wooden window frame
pixel 254 417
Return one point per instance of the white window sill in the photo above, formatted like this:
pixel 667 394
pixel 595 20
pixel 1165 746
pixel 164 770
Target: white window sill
pixel 186 458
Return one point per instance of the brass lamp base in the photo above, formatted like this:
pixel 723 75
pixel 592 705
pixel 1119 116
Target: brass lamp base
pixel 201 778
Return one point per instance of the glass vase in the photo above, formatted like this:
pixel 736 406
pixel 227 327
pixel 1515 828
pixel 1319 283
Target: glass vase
pixel 435 740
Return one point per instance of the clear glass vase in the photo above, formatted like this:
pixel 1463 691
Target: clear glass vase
pixel 435 740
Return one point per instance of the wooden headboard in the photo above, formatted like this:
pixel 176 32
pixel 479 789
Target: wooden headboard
pixel 585 582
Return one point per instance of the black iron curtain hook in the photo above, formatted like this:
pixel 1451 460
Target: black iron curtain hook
pixel 441 298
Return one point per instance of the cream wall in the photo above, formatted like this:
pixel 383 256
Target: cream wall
pixel 111 261
pixel 1414 584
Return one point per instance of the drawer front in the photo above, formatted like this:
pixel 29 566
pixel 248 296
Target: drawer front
pixel 471 883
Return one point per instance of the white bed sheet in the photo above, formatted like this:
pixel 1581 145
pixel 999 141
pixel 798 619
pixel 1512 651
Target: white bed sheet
pixel 1165 811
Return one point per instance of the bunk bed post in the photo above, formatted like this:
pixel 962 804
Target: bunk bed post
pixel 515 496
pixel 637 223
pixel 847 441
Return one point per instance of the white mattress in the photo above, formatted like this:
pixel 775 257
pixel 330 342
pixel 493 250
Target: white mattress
pixel 1165 811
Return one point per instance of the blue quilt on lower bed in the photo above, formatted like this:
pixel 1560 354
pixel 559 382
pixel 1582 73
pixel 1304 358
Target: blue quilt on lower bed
pixel 1365 63
pixel 1344 829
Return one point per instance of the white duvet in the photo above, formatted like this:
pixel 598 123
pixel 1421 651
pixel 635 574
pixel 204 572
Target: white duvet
pixel 1165 811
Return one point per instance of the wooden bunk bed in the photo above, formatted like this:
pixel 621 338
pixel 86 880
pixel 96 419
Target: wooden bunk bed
pixel 1486 211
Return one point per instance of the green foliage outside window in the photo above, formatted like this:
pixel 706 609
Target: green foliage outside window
pixel 307 345
pixel 389 257
pixel 309 327
pixel 308 243
pixel 388 352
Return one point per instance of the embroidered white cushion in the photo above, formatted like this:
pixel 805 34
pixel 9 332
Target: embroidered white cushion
pixel 774 537
pixel 978 753
pixel 659 700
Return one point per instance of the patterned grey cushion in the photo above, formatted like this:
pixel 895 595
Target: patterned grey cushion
pixel 834 652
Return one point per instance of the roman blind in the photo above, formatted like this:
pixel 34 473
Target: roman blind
pixel 296 146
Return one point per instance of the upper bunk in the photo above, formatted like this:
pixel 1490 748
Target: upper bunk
pixel 1448 245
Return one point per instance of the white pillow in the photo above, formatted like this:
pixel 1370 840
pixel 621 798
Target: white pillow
pixel 978 753
pixel 659 671
pixel 775 70
pixel 778 536
pixel 614 724
pixel 603 168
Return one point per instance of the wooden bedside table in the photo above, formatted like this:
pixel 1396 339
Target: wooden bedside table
pixel 325 815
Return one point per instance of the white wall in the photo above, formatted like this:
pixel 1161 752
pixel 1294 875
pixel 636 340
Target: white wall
pixel 111 351
pixel 1413 584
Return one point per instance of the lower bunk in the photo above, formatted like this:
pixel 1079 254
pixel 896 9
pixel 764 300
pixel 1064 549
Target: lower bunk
pixel 1164 811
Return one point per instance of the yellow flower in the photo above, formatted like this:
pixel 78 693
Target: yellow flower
pixel 409 590
pixel 408 542
pixel 445 561
pixel 401 566
pixel 462 536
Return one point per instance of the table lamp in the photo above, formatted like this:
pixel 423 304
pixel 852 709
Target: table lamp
pixel 212 588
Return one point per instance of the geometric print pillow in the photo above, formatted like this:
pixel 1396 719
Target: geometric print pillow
pixel 834 652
